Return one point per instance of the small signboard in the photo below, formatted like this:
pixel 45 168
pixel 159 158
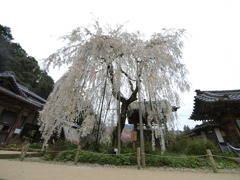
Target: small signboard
pixel 17 131
pixel 133 135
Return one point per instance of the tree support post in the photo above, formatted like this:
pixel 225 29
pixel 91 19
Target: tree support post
pixel 133 145
pixel 24 150
pixel 138 158
pixel 77 154
pixel 141 122
pixel 119 122
pixel 212 161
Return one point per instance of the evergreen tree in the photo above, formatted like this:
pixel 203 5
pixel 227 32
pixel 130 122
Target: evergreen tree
pixel 28 73
pixel 186 129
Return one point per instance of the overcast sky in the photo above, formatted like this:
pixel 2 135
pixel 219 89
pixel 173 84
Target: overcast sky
pixel 211 52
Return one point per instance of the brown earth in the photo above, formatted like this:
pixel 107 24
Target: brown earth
pixel 32 170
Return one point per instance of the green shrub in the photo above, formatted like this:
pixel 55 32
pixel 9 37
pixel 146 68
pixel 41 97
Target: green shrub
pixel 177 143
pixel 148 148
pixel 36 146
pixel 225 163
pixel 169 159
pixel 199 147
pixel 98 158
pixel 226 154
pixel 29 136
pixel 62 146
pixel 126 150
pixel 90 157
pixel 66 156
pixel 14 146
pixel 174 160
pixel 48 157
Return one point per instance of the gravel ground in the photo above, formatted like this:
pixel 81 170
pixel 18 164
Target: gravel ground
pixel 37 169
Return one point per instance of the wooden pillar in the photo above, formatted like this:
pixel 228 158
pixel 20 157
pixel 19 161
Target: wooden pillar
pixel 233 121
pixel 11 133
pixel 1 110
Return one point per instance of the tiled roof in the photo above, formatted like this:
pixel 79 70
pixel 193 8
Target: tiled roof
pixel 205 103
pixel 26 90
pixel 11 76
pixel 22 91
pixel 206 125
pixel 20 98
pixel 218 96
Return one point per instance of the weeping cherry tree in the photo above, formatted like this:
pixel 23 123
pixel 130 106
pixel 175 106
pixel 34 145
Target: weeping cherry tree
pixel 104 64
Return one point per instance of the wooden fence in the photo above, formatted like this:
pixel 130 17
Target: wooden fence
pixel 26 151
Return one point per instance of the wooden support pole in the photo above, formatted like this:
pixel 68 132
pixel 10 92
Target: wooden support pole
pixel 234 123
pixel 119 125
pixel 77 154
pixel 134 145
pixel 138 158
pixel 212 161
pixel 142 145
pixel 119 112
pixel 24 150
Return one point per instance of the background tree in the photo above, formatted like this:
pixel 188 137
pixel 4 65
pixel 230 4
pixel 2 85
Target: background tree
pixel 26 68
pixel 186 129
pixel 105 64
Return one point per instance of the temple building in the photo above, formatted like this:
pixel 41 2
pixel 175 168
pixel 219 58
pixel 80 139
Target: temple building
pixel 19 109
pixel 152 111
pixel 220 113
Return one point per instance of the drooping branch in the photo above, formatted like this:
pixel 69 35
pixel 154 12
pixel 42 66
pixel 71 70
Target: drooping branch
pixel 129 79
pixel 93 52
pixel 115 93
pixel 133 97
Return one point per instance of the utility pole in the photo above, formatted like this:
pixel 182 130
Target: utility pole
pixel 142 149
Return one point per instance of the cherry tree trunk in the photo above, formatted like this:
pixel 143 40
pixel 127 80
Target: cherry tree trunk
pixel 123 115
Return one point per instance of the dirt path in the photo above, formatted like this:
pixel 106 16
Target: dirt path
pixel 14 152
pixel 17 170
